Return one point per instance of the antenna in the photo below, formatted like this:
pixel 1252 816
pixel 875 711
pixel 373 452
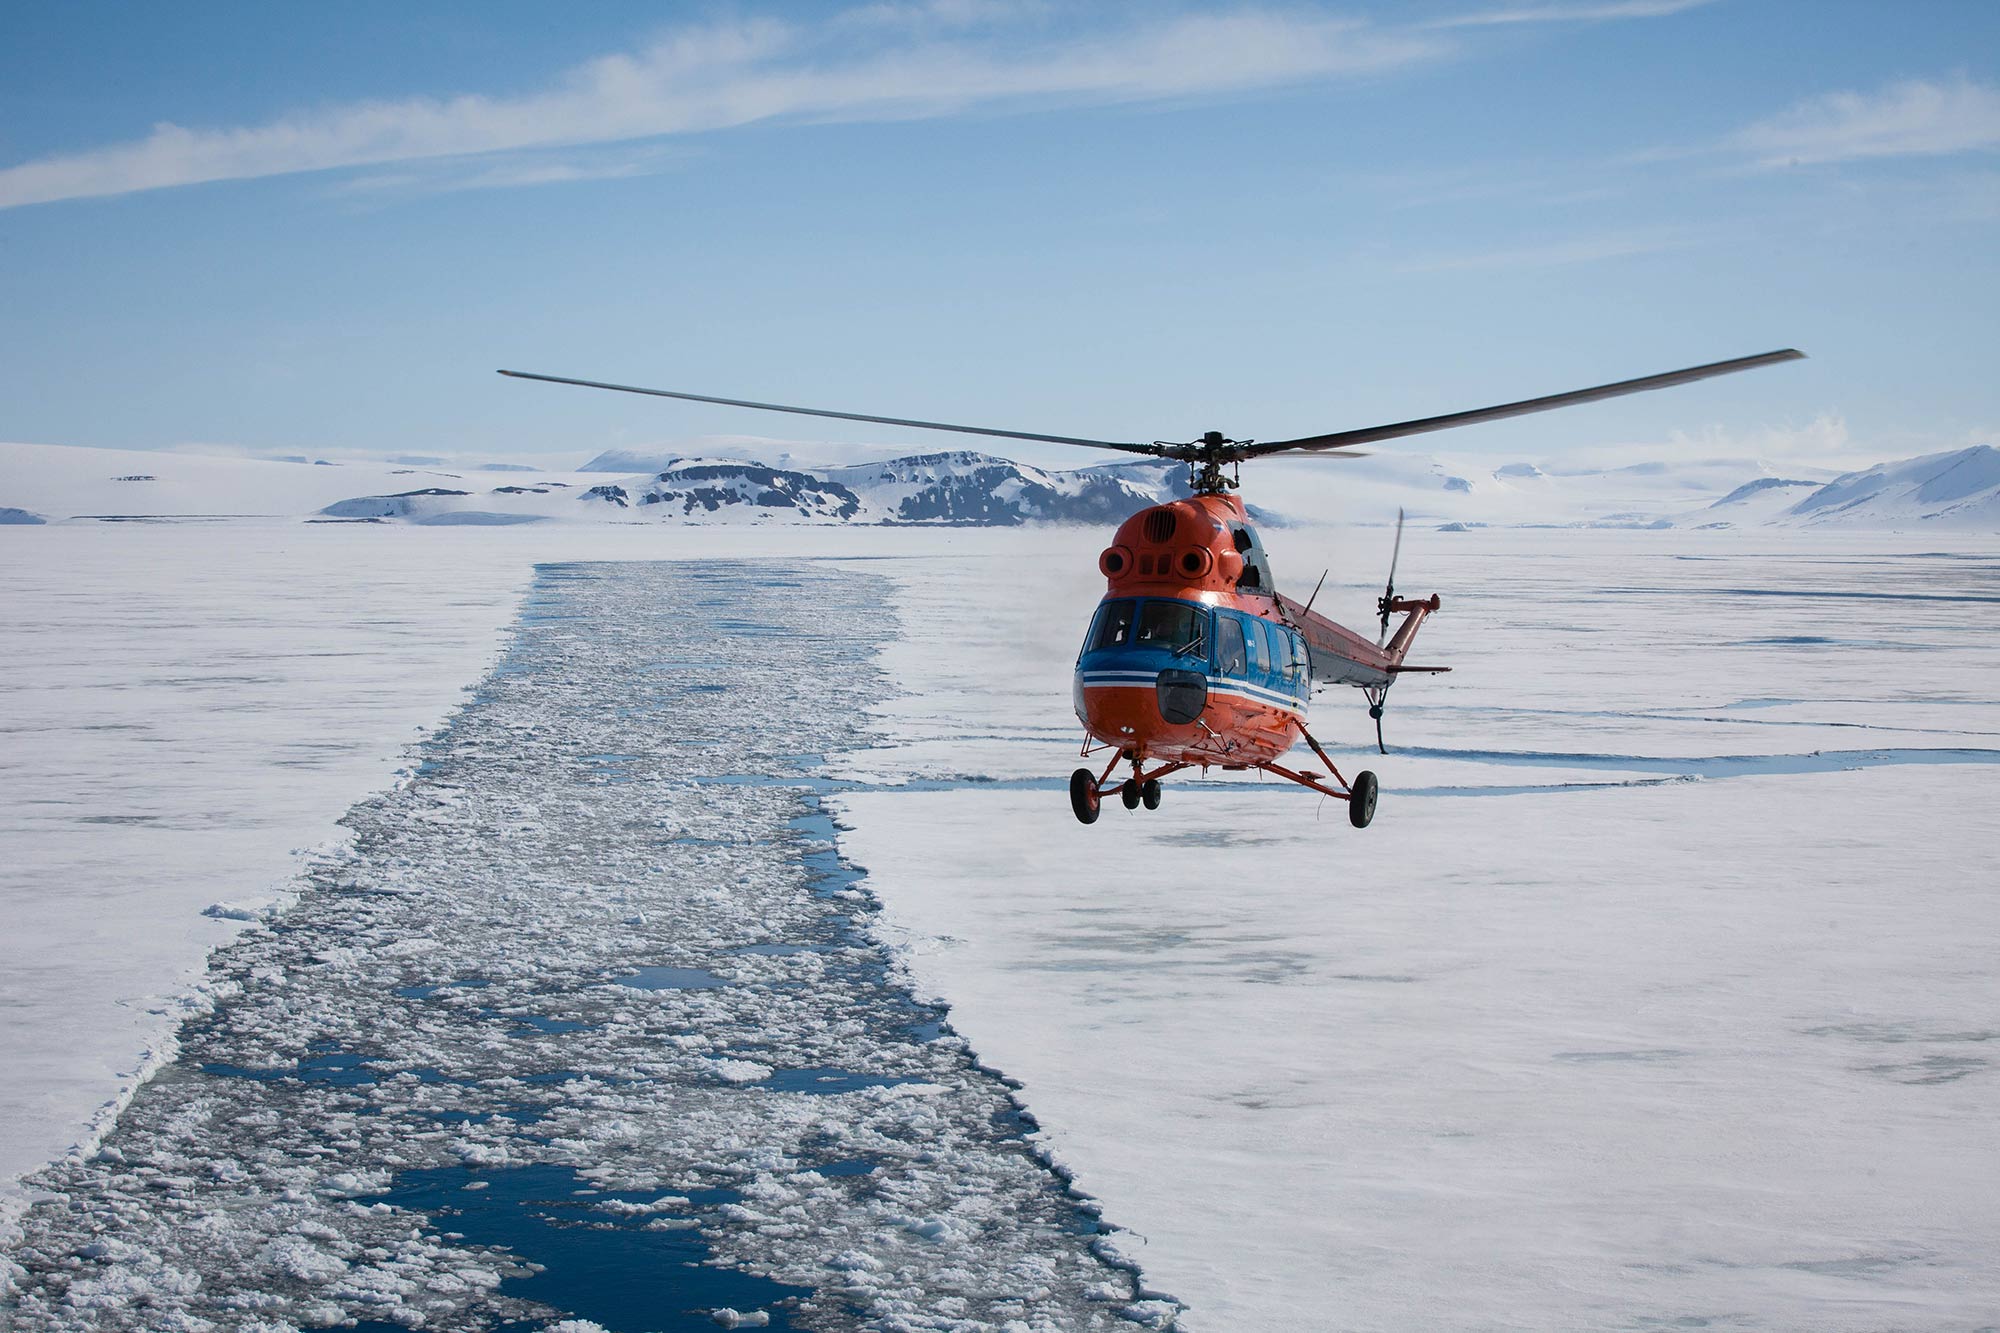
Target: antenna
pixel 1315 597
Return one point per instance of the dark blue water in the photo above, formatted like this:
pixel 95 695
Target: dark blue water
pixel 830 874
pixel 599 1266
pixel 855 1166
pixel 326 1064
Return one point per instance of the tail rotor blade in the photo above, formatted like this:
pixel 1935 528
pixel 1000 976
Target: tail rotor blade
pixel 1389 591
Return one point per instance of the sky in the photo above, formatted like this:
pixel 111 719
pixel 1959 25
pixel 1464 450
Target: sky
pixel 318 230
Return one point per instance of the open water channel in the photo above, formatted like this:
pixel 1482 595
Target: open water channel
pixel 590 1026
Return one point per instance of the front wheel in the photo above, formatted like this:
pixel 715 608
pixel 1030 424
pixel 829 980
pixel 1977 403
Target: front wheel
pixel 1128 792
pixel 1083 795
pixel 1149 792
pixel 1361 799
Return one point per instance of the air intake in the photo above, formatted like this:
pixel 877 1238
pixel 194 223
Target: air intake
pixel 1160 525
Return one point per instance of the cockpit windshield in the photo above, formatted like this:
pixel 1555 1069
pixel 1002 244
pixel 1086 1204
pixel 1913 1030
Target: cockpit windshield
pixel 1113 628
pixel 1179 627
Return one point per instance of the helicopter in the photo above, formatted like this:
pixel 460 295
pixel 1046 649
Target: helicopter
pixel 1193 657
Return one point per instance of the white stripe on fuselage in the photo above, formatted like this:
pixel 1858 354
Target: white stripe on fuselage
pixel 1147 679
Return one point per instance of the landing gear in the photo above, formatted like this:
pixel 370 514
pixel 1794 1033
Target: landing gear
pixel 1083 795
pixel 1361 799
pixel 1359 794
pixel 1088 791
pixel 1377 696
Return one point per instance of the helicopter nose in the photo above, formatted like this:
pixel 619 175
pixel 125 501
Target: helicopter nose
pixel 1182 695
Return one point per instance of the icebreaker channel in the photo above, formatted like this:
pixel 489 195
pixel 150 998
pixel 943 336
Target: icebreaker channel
pixel 586 1028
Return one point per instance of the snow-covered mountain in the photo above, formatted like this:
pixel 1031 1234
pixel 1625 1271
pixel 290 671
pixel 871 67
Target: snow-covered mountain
pixel 1959 489
pixel 696 489
pixel 966 488
pixel 962 488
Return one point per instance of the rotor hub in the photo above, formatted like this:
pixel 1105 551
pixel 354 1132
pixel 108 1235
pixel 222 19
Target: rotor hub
pixel 1206 458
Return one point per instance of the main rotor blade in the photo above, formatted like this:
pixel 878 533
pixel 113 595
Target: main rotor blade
pixel 1341 439
pixel 1152 449
pixel 1345 455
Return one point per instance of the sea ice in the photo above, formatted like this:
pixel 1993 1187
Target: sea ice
pixel 309 1151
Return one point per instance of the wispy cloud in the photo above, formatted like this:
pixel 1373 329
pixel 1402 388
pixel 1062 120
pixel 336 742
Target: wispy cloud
pixel 720 77
pixel 516 170
pixel 1570 13
pixel 1918 118
pixel 1551 254
pixel 941 13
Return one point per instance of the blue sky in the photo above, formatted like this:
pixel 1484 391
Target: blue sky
pixel 318 229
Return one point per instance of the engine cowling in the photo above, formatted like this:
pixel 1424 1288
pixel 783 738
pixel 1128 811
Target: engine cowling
pixel 1181 549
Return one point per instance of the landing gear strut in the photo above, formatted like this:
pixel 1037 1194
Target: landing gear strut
pixel 1360 794
pixel 1377 696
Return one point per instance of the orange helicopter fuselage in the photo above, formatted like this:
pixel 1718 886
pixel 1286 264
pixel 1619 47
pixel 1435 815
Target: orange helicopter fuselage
pixel 1189 658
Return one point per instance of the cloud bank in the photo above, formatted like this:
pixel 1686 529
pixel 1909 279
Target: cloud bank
pixel 723 77
pixel 1911 119
pixel 918 60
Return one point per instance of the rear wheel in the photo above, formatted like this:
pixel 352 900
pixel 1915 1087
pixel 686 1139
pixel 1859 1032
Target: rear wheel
pixel 1083 795
pixel 1128 792
pixel 1149 792
pixel 1361 799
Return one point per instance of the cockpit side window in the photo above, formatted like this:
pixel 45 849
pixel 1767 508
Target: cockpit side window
pixel 1256 575
pixel 1278 645
pixel 1179 627
pixel 1113 626
pixel 1229 659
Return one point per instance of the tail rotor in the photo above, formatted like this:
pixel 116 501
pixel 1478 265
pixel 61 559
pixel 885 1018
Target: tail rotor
pixel 1389 590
